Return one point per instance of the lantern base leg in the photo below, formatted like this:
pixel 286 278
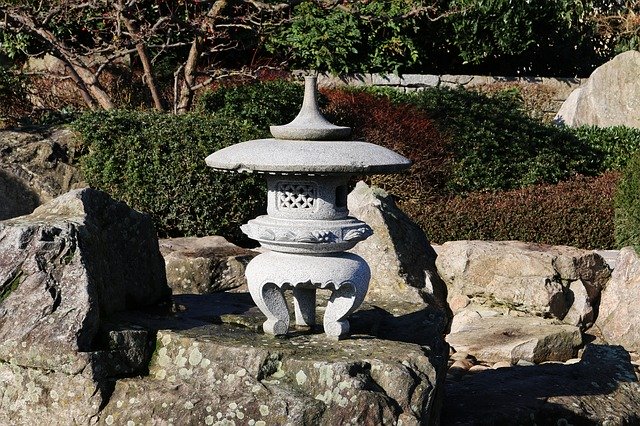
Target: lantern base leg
pixel 345 274
pixel 269 298
pixel 304 304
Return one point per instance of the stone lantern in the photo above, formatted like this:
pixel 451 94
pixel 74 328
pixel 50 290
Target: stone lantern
pixel 307 228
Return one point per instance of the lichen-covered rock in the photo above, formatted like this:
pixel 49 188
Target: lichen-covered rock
pixel 534 279
pixel 30 396
pixel 401 259
pixel 226 373
pixel 65 268
pixel 620 303
pixel 204 265
pixel 610 97
pixel 35 167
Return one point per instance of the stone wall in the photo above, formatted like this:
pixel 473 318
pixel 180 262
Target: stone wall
pixel 558 89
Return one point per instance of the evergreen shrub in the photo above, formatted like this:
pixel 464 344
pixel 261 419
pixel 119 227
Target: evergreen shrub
pixel 576 212
pixel 496 145
pixel 627 206
pixel 613 145
pixel 261 103
pixel 156 163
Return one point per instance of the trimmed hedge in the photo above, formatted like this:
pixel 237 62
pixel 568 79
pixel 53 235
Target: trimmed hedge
pixel 627 206
pixel 402 128
pixel 262 104
pixel 613 145
pixel 467 149
pixel 577 212
pixel 496 145
pixel 155 163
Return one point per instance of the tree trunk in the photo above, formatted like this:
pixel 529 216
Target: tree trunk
pixel 146 64
pixel 186 91
pixel 79 72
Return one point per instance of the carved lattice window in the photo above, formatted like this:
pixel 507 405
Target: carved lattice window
pixel 293 195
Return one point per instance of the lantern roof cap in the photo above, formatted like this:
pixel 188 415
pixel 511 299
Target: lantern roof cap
pixel 310 144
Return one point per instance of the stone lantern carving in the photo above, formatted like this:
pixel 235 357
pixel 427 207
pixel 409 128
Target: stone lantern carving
pixel 307 228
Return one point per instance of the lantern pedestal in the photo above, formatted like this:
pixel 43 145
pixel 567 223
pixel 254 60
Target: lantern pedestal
pixel 346 275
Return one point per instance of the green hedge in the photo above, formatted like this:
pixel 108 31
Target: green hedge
pixel 496 144
pixel 577 212
pixel 155 163
pixel 262 104
pixel 472 153
pixel 627 204
pixel 613 145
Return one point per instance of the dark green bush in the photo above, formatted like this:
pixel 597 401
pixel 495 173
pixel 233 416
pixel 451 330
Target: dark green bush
pixel 613 145
pixel 155 163
pixel 627 205
pixel 14 103
pixel 577 212
pixel 496 145
pixel 263 104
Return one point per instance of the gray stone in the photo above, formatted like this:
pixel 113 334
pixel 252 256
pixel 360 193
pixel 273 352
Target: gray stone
pixel 386 80
pixel 212 365
pixel 420 80
pixel 64 269
pixel 399 254
pixel 533 279
pixel 620 303
pixel 600 389
pixel 567 113
pixel 610 97
pixel 204 265
pixel 306 157
pixel 35 167
pixel 506 338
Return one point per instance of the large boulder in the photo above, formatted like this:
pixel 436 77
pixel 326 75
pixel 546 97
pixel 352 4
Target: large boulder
pixel 67 267
pixel 611 96
pixel 401 258
pixel 226 372
pixel 620 303
pixel 204 265
pixel 532 279
pixel 212 365
pixel 35 167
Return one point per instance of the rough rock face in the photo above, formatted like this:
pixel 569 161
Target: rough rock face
pixel 505 338
pixel 212 365
pixel 620 303
pixel 82 343
pixel 65 268
pixel 401 258
pixel 534 279
pixel 611 96
pixel 236 375
pixel 601 389
pixel 204 265
pixel 34 168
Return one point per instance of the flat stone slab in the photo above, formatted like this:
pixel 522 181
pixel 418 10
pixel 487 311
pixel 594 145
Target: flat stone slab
pixel 512 339
pixel 600 389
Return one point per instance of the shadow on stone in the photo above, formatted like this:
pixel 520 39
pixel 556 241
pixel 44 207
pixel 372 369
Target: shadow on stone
pixel 16 198
pixel 601 387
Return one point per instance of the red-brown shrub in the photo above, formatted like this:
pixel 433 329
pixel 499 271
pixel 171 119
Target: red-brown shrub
pixel 577 212
pixel 401 128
